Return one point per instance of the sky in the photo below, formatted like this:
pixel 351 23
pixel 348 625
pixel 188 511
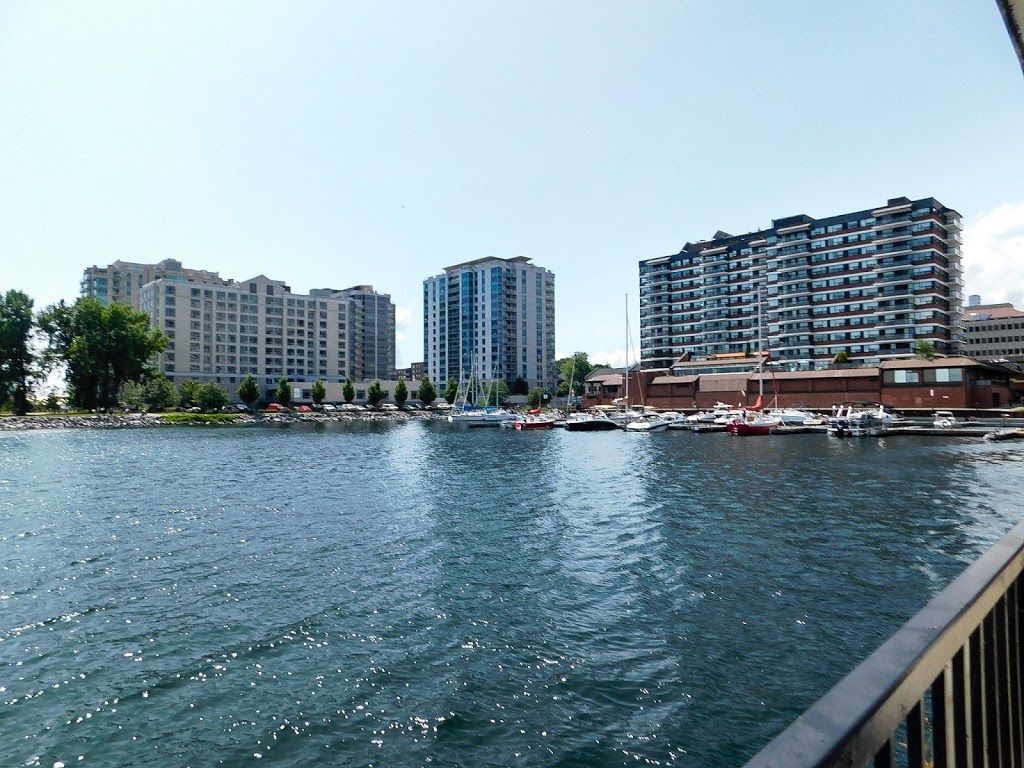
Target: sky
pixel 331 144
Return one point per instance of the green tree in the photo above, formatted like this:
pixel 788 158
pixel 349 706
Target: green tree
pixel 520 386
pixel 159 393
pixel 16 357
pixel 318 391
pixel 924 349
pixel 101 347
pixel 191 392
pixel 348 391
pixel 573 372
pixel 52 402
pixel 374 393
pixel 284 392
pixel 497 392
pixel 535 398
pixel 249 390
pixel 427 393
pixel 132 396
pixel 401 393
pixel 451 390
pixel 212 397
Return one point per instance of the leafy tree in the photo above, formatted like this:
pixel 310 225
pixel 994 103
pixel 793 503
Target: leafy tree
pixel 318 391
pixel 451 390
pixel 52 402
pixel 535 398
pixel 573 372
pixel 427 392
pixel 102 348
pixel 401 393
pixel 132 396
pixel 924 349
pixel 212 397
pixel 497 393
pixel 842 358
pixel 520 386
pixel 348 391
pixel 284 392
pixel 374 393
pixel 159 393
pixel 191 392
pixel 16 358
pixel 249 390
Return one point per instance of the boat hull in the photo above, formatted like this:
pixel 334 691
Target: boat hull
pixel 591 425
pixel 530 425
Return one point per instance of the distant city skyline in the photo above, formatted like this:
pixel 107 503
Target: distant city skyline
pixel 346 144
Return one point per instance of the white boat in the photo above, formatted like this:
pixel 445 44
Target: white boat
pixel 709 417
pixel 794 417
pixel 651 423
pixel 860 420
pixel 946 419
pixel 588 422
pixel 482 417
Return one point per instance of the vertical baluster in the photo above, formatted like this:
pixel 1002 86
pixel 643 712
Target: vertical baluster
pixel 960 722
pixel 1013 651
pixel 976 693
pixel 940 711
pixel 883 758
pixel 994 742
pixel 1002 685
pixel 915 737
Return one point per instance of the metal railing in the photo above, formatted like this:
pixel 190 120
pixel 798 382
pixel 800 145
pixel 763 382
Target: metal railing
pixel 946 690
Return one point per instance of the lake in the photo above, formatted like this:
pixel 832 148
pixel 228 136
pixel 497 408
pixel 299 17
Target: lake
pixel 395 594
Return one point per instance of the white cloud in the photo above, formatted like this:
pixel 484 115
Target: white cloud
pixel 402 317
pixel 993 255
pixel 615 359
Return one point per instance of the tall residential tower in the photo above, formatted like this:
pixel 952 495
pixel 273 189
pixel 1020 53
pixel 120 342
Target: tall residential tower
pixel 869 284
pixel 490 318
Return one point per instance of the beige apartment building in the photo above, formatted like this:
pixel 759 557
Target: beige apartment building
pixel 257 326
pixel 122 281
pixel 994 332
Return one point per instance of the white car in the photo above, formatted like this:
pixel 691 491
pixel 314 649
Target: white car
pixel 388 407
pixel 327 407
pixel 349 407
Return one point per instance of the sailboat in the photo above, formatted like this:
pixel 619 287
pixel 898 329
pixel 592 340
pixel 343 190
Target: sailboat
pixel 754 421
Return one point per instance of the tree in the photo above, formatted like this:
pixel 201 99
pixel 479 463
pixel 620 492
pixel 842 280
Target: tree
pixel 374 393
pixel 535 398
pixel 427 392
pixel 451 390
pixel 249 390
pixel 924 349
pixel 401 393
pixel 102 348
pixel 212 397
pixel 52 402
pixel 573 372
pixel 497 393
pixel 159 393
pixel 348 391
pixel 318 391
pixel 16 358
pixel 191 392
pixel 520 386
pixel 132 396
pixel 284 392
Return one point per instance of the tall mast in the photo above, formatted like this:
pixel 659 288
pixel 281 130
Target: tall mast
pixel 760 346
pixel 627 352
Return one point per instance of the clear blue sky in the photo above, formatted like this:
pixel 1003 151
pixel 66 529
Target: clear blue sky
pixel 339 143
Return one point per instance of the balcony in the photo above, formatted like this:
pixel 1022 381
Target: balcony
pixel 945 690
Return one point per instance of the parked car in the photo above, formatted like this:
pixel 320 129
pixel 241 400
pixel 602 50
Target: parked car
pixel 276 407
pixel 388 407
pixel 410 407
pixel 328 408
pixel 349 407
pixel 304 409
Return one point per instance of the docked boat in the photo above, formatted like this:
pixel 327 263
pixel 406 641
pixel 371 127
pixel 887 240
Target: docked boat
pixel 795 417
pixel 945 420
pixel 533 420
pixel 650 423
pixel 588 422
pixel 709 417
pixel 481 417
pixel 753 422
pixel 860 420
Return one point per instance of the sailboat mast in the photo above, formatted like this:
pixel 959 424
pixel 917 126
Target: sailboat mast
pixel 760 346
pixel 627 352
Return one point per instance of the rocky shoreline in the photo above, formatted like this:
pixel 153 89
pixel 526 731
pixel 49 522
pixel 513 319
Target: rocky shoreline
pixel 148 420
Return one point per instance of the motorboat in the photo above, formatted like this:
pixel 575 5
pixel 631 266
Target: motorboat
pixel 945 420
pixel 860 420
pixel 753 423
pixel 650 423
pixel 588 422
pixel 793 417
pixel 709 417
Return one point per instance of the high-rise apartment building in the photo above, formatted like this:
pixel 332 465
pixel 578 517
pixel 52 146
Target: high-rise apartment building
pixel 371 331
pixel 870 284
pixel 122 281
pixel 257 326
pixel 490 318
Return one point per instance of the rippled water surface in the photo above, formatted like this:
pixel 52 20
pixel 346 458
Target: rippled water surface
pixel 409 594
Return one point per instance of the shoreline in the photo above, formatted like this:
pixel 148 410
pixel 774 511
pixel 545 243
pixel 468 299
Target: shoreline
pixel 152 420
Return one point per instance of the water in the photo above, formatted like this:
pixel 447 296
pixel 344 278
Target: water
pixel 406 594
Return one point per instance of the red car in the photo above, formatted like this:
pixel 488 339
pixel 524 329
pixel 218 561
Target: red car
pixel 304 409
pixel 276 407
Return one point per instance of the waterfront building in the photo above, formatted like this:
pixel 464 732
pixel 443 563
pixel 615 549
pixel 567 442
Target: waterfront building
pixel 865 286
pixel 122 281
pixel 371 331
pixel 258 326
pixel 491 318
pixel 994 332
